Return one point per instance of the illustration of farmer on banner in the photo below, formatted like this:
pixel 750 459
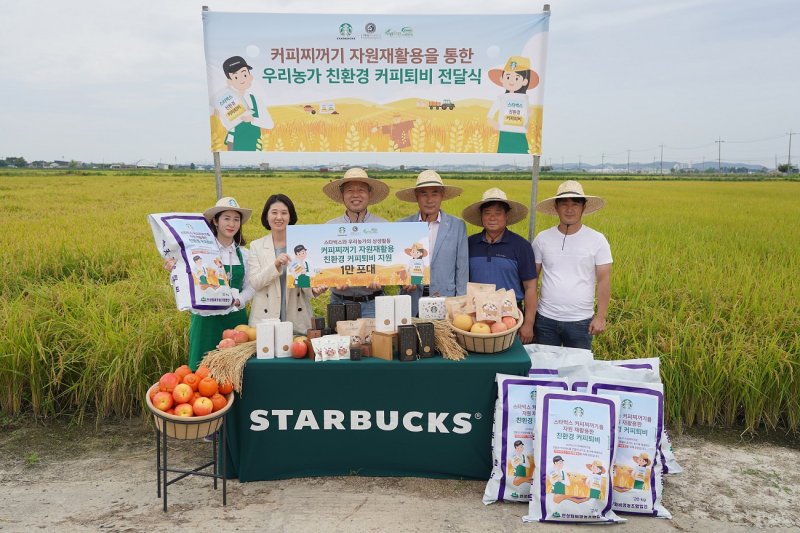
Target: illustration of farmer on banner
pixel 416 266
pixel 300 268
pixel 241 107
pixel 512 108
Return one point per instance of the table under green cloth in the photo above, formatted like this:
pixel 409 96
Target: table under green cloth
pixel 427 418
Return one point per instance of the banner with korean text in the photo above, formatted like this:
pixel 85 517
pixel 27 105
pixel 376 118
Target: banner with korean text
pixel 334 255
pixel 376 83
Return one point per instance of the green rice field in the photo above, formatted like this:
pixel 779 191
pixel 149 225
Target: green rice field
pixel 705 277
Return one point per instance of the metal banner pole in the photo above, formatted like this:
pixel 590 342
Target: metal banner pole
pixel 218 174
pixel 534 194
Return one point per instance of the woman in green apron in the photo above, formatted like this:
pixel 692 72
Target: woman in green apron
pixel 225 220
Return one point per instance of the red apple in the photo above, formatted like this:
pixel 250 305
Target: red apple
pixel 184 409
pixel 182 393
pixel 163 401
pixel 240 336
pixel 299 349
pixel 509 321
pixel 498 327
pixel 228 333
pixel 202 406
pixel 167 382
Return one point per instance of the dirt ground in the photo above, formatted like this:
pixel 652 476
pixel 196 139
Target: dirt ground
pixel 103 479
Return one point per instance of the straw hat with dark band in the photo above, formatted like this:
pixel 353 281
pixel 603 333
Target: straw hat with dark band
pixel 570 189
pixel 227 204
pixel 334 188
pixel 428 178
pixel 516 212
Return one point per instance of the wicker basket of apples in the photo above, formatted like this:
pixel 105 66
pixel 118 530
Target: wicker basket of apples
pixel 482 336
pixel 189 405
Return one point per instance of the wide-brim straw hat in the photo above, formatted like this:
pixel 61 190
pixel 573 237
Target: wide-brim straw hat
pixel 428 178
pixel 642 456
pixel 227 203
pixel 516 212
pixel 570 189
pixel 416 246
pixel 598 464
pixel 334 188
pixel 515 64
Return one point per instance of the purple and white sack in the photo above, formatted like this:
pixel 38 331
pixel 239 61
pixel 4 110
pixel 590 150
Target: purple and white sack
pixel 546 359
pixel 636 472
pixel 579 376
pixel 199 280
pixel 512 437
pixel 574 445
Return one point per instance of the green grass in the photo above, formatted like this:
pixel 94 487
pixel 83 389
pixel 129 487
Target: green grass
pixel 704 276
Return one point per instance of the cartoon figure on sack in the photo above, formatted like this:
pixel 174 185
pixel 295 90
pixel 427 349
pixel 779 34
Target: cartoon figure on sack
pixel 241 108
pixel 640 471
pixel 221 274
pixel 520 465
pixel 559 480
pixel 416 266
pixel 200 273
pixel 300 268
pixel 511 107
pixel 595 483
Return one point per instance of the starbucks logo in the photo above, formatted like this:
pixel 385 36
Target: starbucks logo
pixel 345 30
pixel 627 403
pixel 578 411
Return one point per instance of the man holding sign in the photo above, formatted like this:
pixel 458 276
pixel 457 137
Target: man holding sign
pixel 356 190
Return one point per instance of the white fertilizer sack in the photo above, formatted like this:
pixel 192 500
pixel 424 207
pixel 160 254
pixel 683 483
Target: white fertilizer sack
pixel 512 436
pixel 198 278
pixel 636 473
pixel 546 359
pixel 574 445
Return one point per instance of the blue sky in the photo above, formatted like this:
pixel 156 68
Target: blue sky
pixel 113 81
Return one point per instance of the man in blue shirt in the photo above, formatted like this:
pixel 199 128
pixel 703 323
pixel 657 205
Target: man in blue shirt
pixel 500 256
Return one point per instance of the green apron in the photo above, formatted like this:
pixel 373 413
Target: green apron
pixel 512 143
pixel 303 281
pixel 206 331
pixel 246 135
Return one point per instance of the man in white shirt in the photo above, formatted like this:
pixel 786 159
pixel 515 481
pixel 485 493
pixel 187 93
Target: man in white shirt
pixel 573 262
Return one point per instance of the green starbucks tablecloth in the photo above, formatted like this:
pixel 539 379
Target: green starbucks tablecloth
pixel 428 418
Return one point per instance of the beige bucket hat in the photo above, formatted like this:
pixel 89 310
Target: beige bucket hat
pixel 333 189
pixel 227 203
pixel 428 178
pixel 570 189
pixel 472 213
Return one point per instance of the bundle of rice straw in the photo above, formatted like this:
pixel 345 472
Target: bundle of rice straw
pixel 445 340
pixel 227 364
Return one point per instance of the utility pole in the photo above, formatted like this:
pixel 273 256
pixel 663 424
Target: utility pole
pixel 629 161
pixel 789 160
pixel 562 162
pixel 662 159
pixel 719 142
pixel 602 161
pixel 579 162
